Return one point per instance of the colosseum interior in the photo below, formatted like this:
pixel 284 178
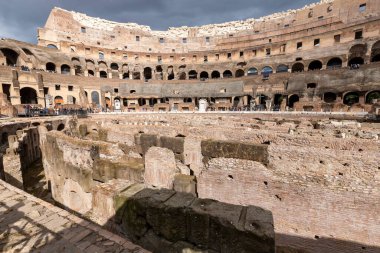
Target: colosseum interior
pixel 256 136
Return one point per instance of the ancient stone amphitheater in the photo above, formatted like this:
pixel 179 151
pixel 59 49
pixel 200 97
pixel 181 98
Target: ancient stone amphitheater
pixel 252 136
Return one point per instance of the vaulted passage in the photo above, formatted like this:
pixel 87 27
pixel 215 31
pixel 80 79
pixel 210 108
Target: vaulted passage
pixel 28 96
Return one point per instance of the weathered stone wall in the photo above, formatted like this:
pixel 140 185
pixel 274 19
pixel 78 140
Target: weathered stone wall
pixel 166 221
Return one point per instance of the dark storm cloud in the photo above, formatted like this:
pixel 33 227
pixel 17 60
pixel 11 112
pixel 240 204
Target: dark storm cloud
pixel 19 19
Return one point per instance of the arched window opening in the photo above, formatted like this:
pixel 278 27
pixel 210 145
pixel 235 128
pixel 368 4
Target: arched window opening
pixel 292 100
pixel 315 65
pixel 103 74
pixel 193 75
pixel 147 73
pixel 188 100
pixel 253 72
pixel 311 86
pixel 11 56
pixel 227 74
pixel 152 101
pixel 58 100
pixel 373 97
pixel 334 63
pixel 136 76
pixel 278 99
pixel 52 46
pixel 95 98
pixel 329 97
pixel 91 73
pixel 351 98
pixel 141 101
pixel 125 102
pixel 65 69
pixel 27 52
pixel 114 66
pixel 28 96
pixel 215 75
pixel 50 67
pixel 203 76
pixel 266 71
pixel 182 76
pixel 239 73
pixel 375 52
pixel 126 75
pixel 282 68
pixel 356 62
pixel 358 50
pixel 236 102
pixel 298 67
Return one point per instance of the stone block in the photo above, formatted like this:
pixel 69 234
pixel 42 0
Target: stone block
pixel 83 130
pixel 176 144
pixel 237 150
pixel 185 183
pixel 147 141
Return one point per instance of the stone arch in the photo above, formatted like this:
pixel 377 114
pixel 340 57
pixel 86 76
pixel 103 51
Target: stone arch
pixel 215 74
pixel 91 73
pixel 252 72
pixel 170 73
pixel 103 74
pixel 351 98
pixel 153 101
pixel 193 75
pixel 372 95
pixel 65 69
pixel 315 65
pixel 114 66
pixel 52 46
pixel 141 101
pixel 298 67
pixel 267 70
pixel 292 100
pixel 11 56
pixel 227 74
pixel 204 75
pixel 356 61
pixel 182 75
pixel 126 75
pixel 239 73
pixel 282 68
pixel 334 63
pixel 375 52
pixel 50 67
pixel 28 95
pixel 329 97
pixel 95 98
pixel 147 73
pixel 102 65
pixel 58 100
pixel 358 50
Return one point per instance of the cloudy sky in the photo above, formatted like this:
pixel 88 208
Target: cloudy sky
pixel 19 19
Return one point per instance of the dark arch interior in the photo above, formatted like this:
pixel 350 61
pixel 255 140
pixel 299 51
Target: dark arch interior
pixel 136 76
pixel 371 96
pixel 147 73
pixel 282 69
pixel 253 72
pixel 182 76
pixel 61 127
pixel 193 75
pixel 95 97
pixel 356 61
pixel 239 73
pixel 329 97
pixel 334 63
pixel 50 66
pixel 141 101
pixel 215 75
pixel 227 74
pixel 278 99
pixel 298 67
pixel 11 56
pixel 315 65
pixel 28 96
pixel 114 66
pixel 91 73
pixel 65 69
pixel 126 75
pixel 351 98
pixel 204 75
pixel 103 74
pixel 293 99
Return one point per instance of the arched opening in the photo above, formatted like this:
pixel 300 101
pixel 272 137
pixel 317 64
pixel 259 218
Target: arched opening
pixel 4 138
pixel 147 73
pixel 329 97
pixel 227 74
pixel 375 52
pixel 278 99
pixel 77 66
pixel 357 52
pixel 28 96
pixel 136 76
pixel 188 100
pixel 108 102
pixel 95 97
pixel 102 65
pixel 253 72
pixel 141 101
pixel 298 67
pixel 334 63
pixel 114 66
pixel 170 73
pixel 103 74
pixel 125 102
pixel 126 75
pixel 11 56
pixel 50 67
pixel 152 101
pixel 356 61
pixel 236 102
pixel 52 46
pixel 282 68
pixel 61 127
pixel 293 99
pixel 204 75
pixel 182 76
pixel 91 73
pixel 193 75
pixel 215 74
pixel 266 71
pixel 65 69
pixel 58 100
pixel 27 51
pixel 159 72
pixel 351 98
pixel 315 65
pixel 262 101
pixel 239 73
pixel 372 97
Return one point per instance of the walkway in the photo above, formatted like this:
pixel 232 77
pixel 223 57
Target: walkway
pixel 29 224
